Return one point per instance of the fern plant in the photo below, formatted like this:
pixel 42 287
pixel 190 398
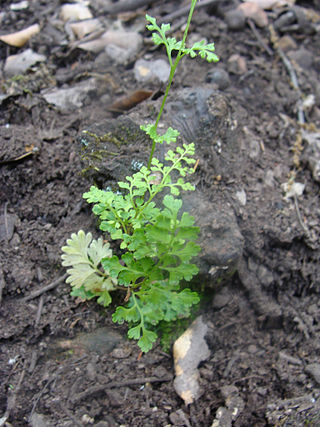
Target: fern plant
pixel 157 242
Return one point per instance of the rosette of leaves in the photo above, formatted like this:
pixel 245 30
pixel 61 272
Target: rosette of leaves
pixel 84 255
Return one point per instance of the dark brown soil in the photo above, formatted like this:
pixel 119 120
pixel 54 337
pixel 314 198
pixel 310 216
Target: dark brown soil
pixel 62 361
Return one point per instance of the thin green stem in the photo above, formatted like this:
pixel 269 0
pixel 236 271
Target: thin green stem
pixel 138 309
pixel 164 177
pixel 123 225
pixel 171 75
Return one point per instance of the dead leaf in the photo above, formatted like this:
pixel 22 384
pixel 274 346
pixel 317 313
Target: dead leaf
pixel 130 101
pixel 188 351
pixel 20 38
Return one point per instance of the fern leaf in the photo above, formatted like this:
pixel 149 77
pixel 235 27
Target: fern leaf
pixel 84 256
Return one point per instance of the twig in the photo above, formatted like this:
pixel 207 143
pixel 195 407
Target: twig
pixel 52 379
pixel 11 403
pixel 259 38
pixel 39 311
pixel 5 214
pixel 2 283
pixel 305 228
pixel 35 403
pixel 249 377
pixel 117 384
pixel 33 361
pixel 294 81
pixel 41 291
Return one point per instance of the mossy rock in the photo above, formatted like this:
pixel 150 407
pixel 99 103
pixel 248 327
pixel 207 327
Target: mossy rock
pixel 113 149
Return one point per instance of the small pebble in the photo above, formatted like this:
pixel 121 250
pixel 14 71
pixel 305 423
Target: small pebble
pixel 237 64
pixel 221 300
pixel 219 77
pixel 223 418
pixel 302 57
pixel 253 11
pixel 145 71
pixel 235 20
pixel 287 43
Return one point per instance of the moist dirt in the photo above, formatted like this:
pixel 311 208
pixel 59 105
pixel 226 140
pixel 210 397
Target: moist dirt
pixel 62 361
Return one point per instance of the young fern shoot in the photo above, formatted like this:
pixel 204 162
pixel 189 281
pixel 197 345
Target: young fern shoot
pixel 157 242
pixel 206 51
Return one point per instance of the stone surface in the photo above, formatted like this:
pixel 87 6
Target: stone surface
pixel 220 237
pixel 235 20
pixel 219 78
pixel 146 71
pixel 72 97
pixel 223 418
pixel 128 43
pixel 254 12
pixel 100 341
pixel 303 57
pixel 237 64
pixel 20 63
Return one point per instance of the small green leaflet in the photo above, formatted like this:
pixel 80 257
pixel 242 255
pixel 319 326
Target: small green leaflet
pixel 84 256
pixel 201 48
pixel 170 135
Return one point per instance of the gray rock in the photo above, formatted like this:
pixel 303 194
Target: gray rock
pixel 235 20
pixel 119 55
pixel 219 78
pixel 223 418
pixel 18 64
pixel 205 116
pixel 303 57
pixel 130 42
pixel 221 299
pixel 99 342
pixel 70 98
pixel 220 237
pixel 146 71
